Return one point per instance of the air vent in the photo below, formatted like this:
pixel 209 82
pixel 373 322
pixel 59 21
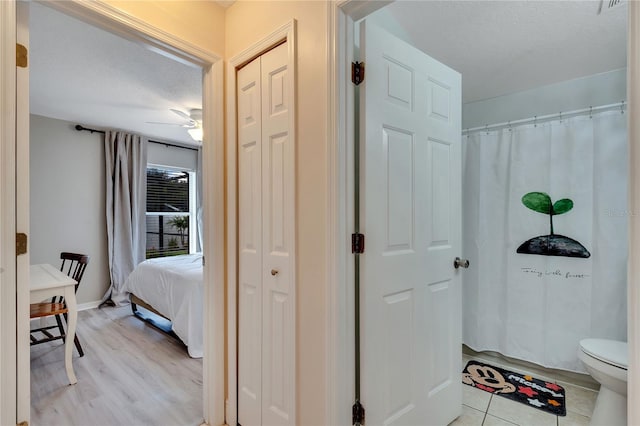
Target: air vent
pixel 608 5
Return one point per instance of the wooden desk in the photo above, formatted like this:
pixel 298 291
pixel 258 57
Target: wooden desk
pixel 45 282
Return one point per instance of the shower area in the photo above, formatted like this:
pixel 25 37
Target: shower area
pixel 545 230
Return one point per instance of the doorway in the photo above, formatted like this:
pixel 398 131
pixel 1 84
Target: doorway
pixel 342 18
pixel 213 205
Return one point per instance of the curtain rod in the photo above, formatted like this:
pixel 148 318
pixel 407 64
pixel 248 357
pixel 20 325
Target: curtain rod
pixel 545 118
pixel 81 128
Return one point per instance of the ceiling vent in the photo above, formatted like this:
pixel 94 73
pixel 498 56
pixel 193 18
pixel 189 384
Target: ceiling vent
pixel 608 5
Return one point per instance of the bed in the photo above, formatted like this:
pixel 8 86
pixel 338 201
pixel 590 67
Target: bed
pixel 172 287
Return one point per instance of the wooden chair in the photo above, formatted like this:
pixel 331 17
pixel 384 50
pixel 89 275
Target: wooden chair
pixel 73 265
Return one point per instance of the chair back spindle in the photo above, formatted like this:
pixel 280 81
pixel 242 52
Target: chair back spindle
pixel 74 264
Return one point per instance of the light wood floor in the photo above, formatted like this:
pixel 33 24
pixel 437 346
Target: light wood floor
pixel 131 374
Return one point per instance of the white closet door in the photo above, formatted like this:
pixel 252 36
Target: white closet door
pixel 249 244
pixel 266 324
pixel 277 241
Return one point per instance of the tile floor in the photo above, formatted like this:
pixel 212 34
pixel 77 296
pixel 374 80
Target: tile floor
pixel 481 408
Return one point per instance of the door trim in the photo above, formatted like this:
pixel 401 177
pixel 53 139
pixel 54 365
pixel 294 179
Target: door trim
pixel 633 278
pixel 111 19
pixel 286 32
pixel 340 215
pixel 8 296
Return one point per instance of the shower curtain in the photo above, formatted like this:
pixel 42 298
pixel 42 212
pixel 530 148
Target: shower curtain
pixel 545 229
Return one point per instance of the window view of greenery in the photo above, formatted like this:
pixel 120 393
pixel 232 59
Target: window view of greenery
pixel 167 212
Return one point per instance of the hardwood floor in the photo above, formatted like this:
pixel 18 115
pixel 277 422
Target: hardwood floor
pixel 131 374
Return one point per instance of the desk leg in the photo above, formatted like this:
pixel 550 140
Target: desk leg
pixel 70 300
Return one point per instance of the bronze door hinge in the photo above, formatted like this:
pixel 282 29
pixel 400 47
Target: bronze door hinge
pixel 22 56
pixel 21 243
pixel 357 72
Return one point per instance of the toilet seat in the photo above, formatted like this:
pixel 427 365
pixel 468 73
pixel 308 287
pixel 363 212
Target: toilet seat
pixel 611 352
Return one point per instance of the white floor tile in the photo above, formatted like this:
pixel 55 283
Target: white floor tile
pixel 579 400
pixel 518 413
pixel 490 420
pixel 573 419
pixel 475 398
pixel 469 417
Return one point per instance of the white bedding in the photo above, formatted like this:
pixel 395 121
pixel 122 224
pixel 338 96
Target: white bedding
pixel 173 286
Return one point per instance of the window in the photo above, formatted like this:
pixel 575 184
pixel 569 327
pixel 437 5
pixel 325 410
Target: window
pixel 170 212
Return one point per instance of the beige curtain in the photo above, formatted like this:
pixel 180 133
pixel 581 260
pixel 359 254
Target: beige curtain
pixel 126 179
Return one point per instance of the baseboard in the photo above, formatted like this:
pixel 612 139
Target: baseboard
pixel 88 305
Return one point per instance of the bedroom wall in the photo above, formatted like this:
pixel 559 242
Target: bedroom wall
pixel 161 155
pixel 594 90
pixel 68 200
pixel 68 196
pixel 246 23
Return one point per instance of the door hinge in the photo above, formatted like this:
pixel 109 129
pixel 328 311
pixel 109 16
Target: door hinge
pixel 358 414
pixel 21 243
pixel 357 72
pixel 21 56
pixel 357 243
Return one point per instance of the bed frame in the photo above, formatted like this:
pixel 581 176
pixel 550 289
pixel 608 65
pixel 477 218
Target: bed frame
pixel 151 316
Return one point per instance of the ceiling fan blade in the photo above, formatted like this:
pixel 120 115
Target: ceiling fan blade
pixel 181 114
pixel 163 123
pixel 189 125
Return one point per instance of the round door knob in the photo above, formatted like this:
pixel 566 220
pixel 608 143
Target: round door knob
pixel 274 272
pixel 460 263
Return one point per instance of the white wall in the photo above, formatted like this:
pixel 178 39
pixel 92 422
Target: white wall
pixel 595 90
pixel 163 155
pixel 68 200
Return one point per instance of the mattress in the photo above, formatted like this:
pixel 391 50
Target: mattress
pixel 173 286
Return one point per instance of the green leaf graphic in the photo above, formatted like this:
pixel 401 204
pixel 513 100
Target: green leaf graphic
pixel 538 201
pixel 562 206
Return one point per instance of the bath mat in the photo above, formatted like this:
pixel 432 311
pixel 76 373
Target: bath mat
pixel 536 393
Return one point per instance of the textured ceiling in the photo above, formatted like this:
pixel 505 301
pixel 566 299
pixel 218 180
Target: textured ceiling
pixel 86 75
pixel 502 47
pixel 82 74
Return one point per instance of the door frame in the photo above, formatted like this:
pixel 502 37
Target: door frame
pixel 340 159
pixel 287 32
pixel 341 14
pixel 633 269
pixel 107 17
pixel 8 295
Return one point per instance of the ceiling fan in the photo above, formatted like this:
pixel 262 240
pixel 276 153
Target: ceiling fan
pixel 193 122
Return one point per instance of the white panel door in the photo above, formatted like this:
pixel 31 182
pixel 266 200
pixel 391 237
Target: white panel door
pixel 266 220
pixel 249 90
pixel 277 237
pixel 410 135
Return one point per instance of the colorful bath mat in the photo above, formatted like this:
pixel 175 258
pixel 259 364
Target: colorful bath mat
pixel 536 393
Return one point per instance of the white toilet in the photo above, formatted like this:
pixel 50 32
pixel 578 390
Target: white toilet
pixel 606 361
